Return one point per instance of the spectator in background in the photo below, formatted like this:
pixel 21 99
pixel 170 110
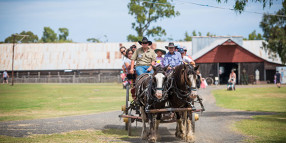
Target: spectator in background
pixel 232 78
pixel 159 58
pixel 199 79
pixel 278 79
pixel 133 48
pixel 5 77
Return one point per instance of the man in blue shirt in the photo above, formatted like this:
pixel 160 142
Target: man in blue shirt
pixel 172 58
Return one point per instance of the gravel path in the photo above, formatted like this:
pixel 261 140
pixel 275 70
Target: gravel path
pixel 213 126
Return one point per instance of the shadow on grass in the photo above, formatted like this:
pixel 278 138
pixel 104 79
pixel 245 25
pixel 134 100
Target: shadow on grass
pixel 236 113
pixel 164 133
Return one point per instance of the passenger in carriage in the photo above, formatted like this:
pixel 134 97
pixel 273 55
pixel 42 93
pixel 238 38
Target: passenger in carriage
pixel 122 50
pixel 172 58
pixel 127 65
pixel 145 57
pixel 159 58
pixel 133 48
pixel 185 49
pixel 185 58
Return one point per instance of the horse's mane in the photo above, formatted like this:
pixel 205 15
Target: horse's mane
pixel 177 71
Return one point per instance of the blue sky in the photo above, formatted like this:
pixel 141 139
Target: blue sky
pixel 96 18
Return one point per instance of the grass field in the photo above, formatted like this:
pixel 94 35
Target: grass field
pixel 94 136
pixel 34 101
pixel 264 128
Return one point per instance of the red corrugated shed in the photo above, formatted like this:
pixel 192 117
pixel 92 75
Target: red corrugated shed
pixel 228 52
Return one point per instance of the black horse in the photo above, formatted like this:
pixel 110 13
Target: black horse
pixel 181 95
pixel 150 95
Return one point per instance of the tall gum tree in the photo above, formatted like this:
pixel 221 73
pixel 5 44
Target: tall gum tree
pixel 148 12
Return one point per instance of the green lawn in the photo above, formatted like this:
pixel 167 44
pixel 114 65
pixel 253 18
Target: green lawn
pixel 94 136
pixel 33 101
pixel 264 128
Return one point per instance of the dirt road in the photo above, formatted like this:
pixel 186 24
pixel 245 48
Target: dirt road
pixel 213 126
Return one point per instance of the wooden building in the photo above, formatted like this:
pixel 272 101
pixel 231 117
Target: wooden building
pixel 223 54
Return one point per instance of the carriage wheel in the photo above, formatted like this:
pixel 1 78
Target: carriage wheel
pixel 209 80
pixel 129 123
pixel 127 105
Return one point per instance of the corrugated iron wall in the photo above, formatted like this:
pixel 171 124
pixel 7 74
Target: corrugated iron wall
pixel 60 56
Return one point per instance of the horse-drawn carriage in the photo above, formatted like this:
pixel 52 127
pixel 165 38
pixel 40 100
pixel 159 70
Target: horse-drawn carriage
pixel 164 97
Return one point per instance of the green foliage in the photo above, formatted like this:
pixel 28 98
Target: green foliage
pixel 187 37
pixel 93 40
pixel 274 29
pixel 254 36
pixel 32 38
pixel 49 35
pixel 64 33
pixel 210 34
pixel 146 13
pixel 240 4
pixel 194 33
pixel 133 38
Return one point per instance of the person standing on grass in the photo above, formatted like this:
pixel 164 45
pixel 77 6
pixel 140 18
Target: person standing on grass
pixel 5 76
pixel 278 79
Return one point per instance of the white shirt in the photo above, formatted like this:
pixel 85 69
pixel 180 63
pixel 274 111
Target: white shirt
pixel 187 59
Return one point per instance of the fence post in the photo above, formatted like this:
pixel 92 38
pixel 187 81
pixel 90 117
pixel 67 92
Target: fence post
pixel 39 77
pixel 73 78
pixel 59 76
pixel 49 77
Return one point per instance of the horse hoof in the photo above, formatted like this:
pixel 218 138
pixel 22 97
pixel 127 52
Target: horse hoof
pixel 190 139
pixel 152 140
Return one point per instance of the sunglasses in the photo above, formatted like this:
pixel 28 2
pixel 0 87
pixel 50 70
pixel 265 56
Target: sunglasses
pixel 144 42
pixel 123 52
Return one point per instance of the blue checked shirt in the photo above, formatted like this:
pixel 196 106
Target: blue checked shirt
pixel 172 60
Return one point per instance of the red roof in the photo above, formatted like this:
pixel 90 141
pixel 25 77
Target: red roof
pixel 228 52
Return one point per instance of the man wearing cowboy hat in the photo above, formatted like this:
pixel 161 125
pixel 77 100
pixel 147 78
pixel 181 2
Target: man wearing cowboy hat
pixel 172 58
pixel 144 57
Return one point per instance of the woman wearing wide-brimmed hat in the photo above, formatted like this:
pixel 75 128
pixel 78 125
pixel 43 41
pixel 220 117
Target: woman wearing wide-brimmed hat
pixel 172 58
pixel 145 57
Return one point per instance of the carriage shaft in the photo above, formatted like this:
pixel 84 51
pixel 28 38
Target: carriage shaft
pixel 172 110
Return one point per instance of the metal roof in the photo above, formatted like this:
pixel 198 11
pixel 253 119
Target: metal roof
pixel 61 56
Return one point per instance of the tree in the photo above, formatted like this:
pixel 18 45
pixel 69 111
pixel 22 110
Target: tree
pixel 194 33
pixel 93 40
pixel 187 37
pixel 32 38
pixel 148 12
pixel 49 35
pixel 254 36
pixel 240 4
pixel 274 28
pixel 64 33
